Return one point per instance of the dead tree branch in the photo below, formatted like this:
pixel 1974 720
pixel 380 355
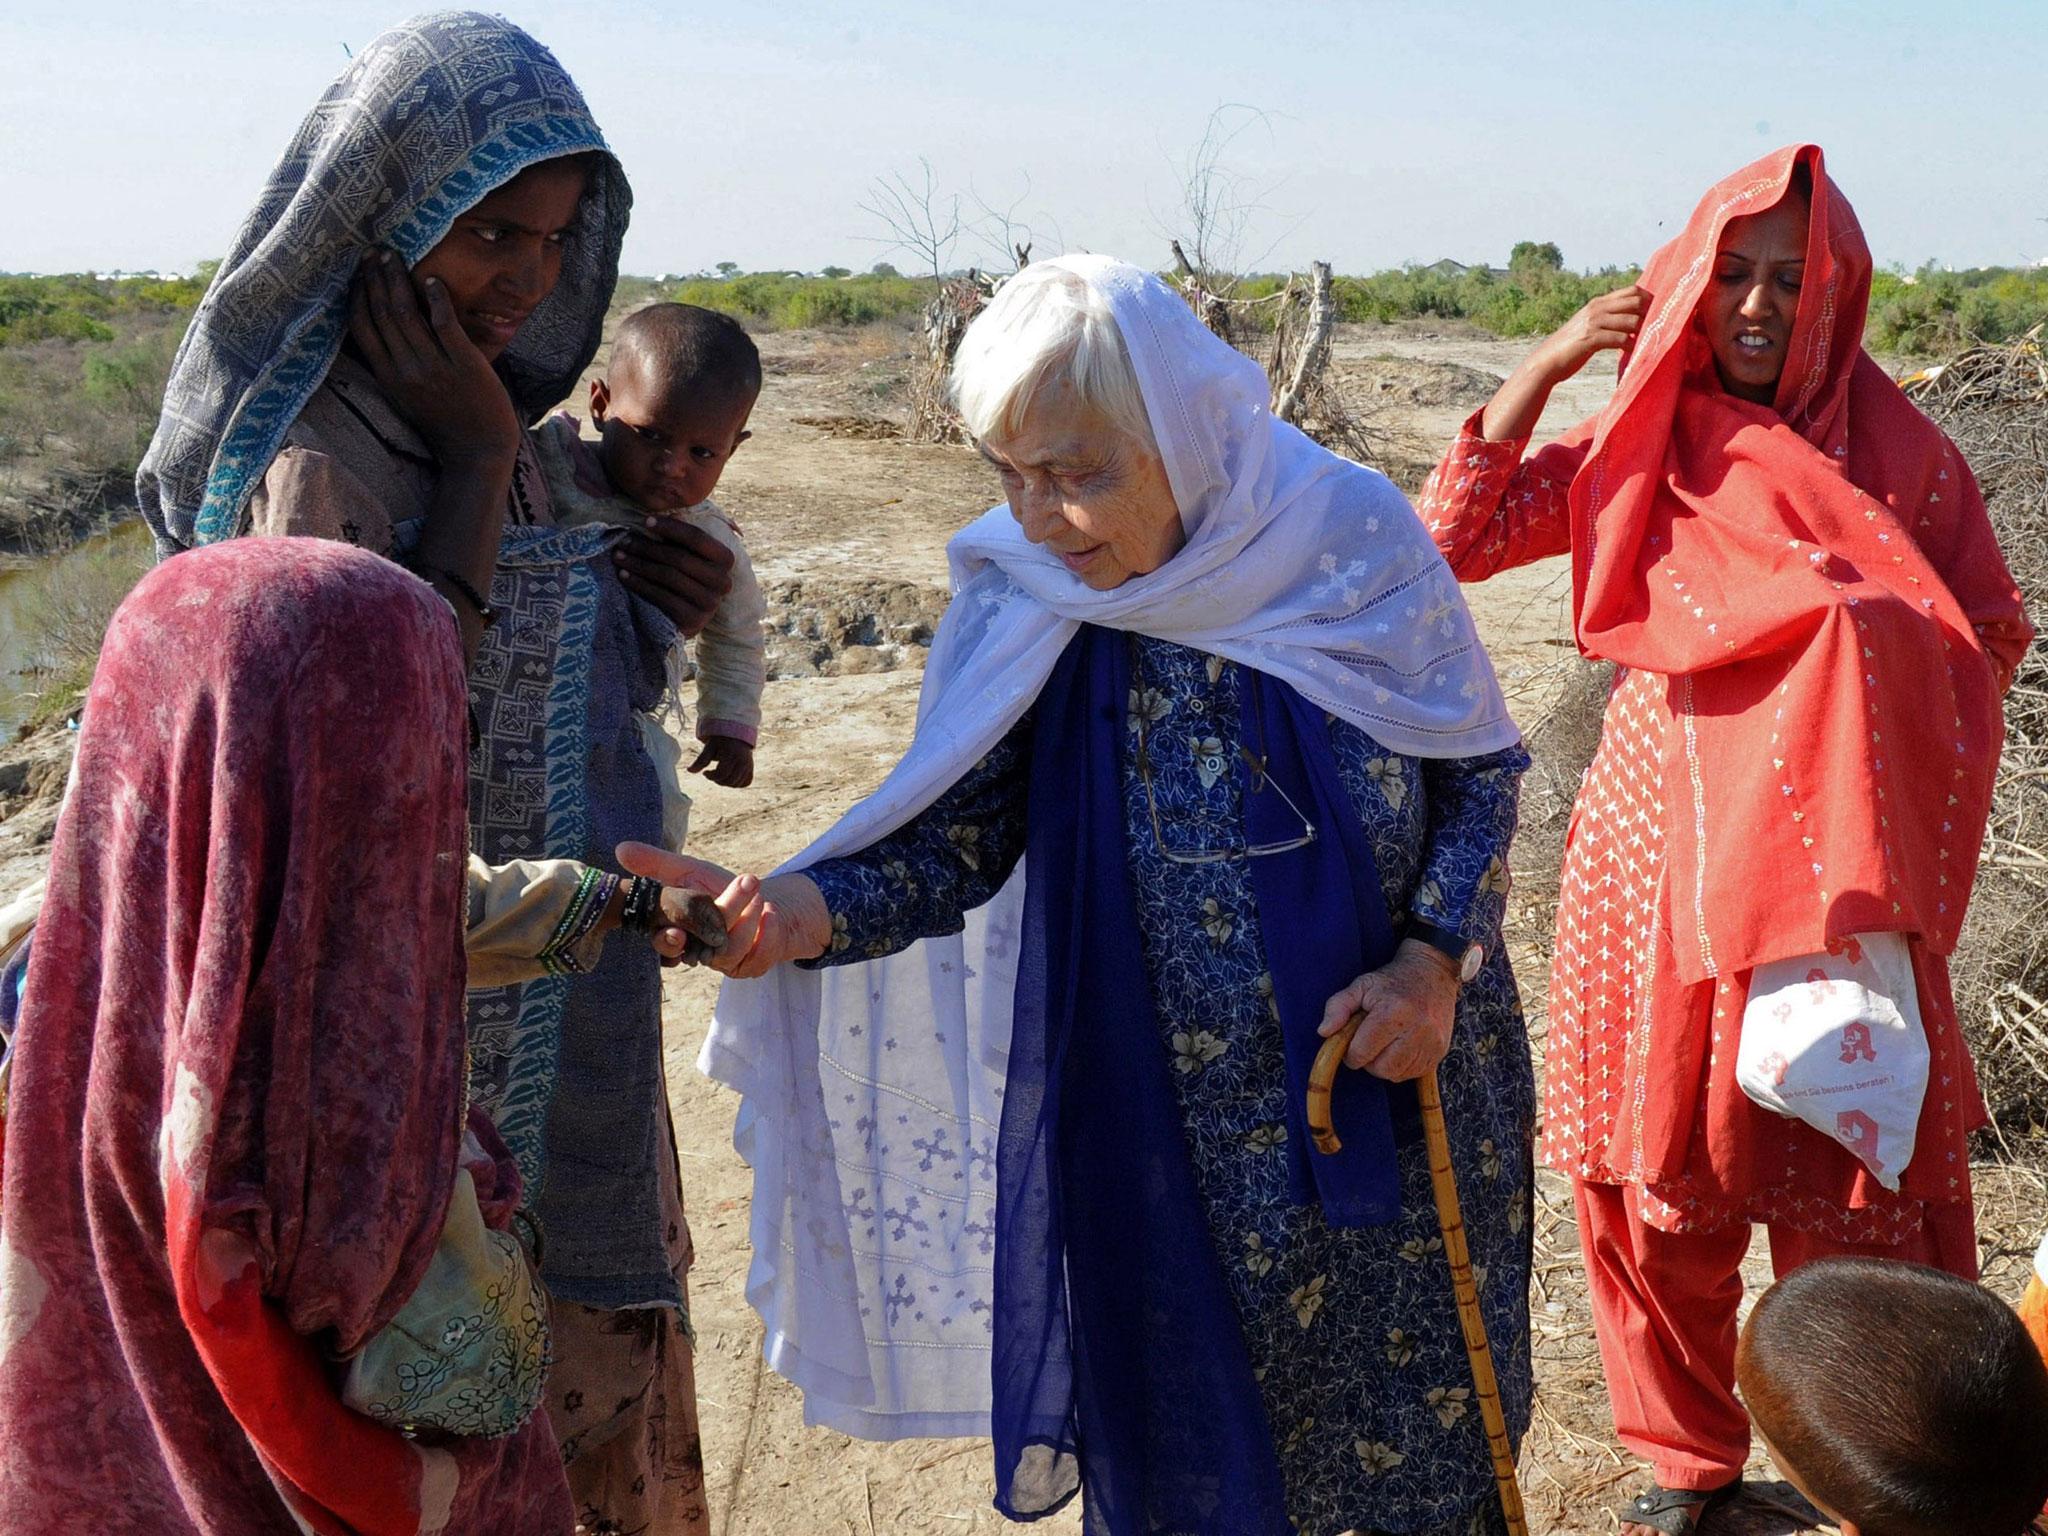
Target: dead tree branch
pixel 1313 352
pixel 917 218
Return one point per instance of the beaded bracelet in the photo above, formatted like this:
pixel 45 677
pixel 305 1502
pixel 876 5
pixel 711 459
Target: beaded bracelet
pixel 585 911
pixel 642 911
pixel 469 594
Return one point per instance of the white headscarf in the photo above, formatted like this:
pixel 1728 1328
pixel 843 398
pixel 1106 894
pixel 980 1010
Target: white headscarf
pixel 872 1091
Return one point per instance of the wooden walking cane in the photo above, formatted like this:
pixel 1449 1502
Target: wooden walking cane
pixel 1322 1078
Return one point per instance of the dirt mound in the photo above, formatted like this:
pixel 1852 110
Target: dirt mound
pixel 1409 381
pixel 828 627
pixel 1561 746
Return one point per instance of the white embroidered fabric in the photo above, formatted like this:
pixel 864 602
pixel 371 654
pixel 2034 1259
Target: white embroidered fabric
pixel 872 1091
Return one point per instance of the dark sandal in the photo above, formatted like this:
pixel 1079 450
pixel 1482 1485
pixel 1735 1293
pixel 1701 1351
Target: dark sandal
pixel 1783 1499
pixel 1677 1511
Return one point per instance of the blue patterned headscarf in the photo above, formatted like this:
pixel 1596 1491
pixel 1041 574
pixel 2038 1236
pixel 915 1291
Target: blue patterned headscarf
pixel 431 118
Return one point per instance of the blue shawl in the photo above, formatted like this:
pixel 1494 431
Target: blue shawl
pixel 1120 1367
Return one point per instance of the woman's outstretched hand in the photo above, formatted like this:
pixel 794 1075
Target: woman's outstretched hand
pixel 431 372
pixel 1409 1005
pixel 686 883
pixel 772 921
pixel 767 922
pixel 1602 325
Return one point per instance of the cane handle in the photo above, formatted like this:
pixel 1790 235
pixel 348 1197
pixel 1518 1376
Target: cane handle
pixel 1322 1077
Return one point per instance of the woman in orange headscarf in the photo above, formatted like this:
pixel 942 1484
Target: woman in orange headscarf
pixel 1813 626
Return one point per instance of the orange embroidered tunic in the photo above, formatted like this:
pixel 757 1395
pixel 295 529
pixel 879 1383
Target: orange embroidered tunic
pixel 1639 1064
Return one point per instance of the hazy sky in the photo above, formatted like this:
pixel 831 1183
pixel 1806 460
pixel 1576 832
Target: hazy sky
pixel 136 135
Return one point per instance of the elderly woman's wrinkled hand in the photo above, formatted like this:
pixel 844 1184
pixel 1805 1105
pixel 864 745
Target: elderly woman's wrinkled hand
pixel 767 922
pixel 1409 1006
pixel 771 922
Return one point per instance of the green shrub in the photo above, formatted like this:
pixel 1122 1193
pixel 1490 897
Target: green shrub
pixel 79 307
pixel 781 301
pixel 1934 311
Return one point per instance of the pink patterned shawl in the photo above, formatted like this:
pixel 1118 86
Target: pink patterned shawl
pixel 238 1088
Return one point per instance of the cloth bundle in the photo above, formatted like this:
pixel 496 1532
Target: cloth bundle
pixel 467 1353
pixel 1836 1040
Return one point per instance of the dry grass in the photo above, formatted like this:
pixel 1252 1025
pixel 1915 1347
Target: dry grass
pixel 72 599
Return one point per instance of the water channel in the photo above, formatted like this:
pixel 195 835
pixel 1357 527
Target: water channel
pixel 57 602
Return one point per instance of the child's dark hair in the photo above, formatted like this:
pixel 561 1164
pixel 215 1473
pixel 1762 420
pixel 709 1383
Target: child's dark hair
pixel 1909 1402
pixel 689 350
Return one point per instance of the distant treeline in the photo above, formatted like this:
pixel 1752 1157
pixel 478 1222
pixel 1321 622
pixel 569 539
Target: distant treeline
pixel 77 307
pixel 1931 312
pixel 1923 313
pixel 83 360
pixel 1927 311
pixel 786 301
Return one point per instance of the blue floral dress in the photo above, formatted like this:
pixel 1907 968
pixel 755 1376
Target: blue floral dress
pixel 1353 1334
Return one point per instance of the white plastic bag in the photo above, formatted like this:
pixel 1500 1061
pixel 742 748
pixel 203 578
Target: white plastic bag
pixel 667 753
pixel 1836 1040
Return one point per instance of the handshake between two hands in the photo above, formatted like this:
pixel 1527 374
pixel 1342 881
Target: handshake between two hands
pixel 738 925
pixel 745 925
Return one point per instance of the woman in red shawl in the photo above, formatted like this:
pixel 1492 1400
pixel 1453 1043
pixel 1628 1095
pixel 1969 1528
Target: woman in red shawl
pixel 238 1101
pixel 1813 626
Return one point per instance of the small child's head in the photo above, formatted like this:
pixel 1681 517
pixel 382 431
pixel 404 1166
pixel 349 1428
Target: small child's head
pixel 674 403
pixel 1901 1400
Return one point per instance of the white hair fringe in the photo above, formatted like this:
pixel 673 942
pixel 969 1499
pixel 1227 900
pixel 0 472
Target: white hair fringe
pixel 1045 326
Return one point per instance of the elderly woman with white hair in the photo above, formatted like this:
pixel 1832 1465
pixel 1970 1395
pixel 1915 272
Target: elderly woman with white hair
pixel 1208 760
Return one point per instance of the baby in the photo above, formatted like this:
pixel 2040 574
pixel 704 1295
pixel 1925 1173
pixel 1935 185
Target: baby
pixel 1901 1400
pixel 672 409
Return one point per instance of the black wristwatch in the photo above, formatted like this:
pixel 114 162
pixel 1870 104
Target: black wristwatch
pixel 1464 954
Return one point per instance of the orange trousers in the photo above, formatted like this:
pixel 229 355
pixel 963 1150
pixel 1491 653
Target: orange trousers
pixel 1664 1311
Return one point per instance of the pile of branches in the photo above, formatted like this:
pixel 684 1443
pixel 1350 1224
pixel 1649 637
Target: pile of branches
pixel 1561 747
pixel 1297 364
pixel 1993 401
pixel 946 318
pixel 1207 294
pixel 1304 394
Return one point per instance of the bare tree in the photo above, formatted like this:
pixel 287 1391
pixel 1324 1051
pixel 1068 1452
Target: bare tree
pixel 1005 232
pixel 1215 202
pixel 917 218
pixel 1301 346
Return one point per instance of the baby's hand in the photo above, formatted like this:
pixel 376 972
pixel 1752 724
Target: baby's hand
pixel 726 760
